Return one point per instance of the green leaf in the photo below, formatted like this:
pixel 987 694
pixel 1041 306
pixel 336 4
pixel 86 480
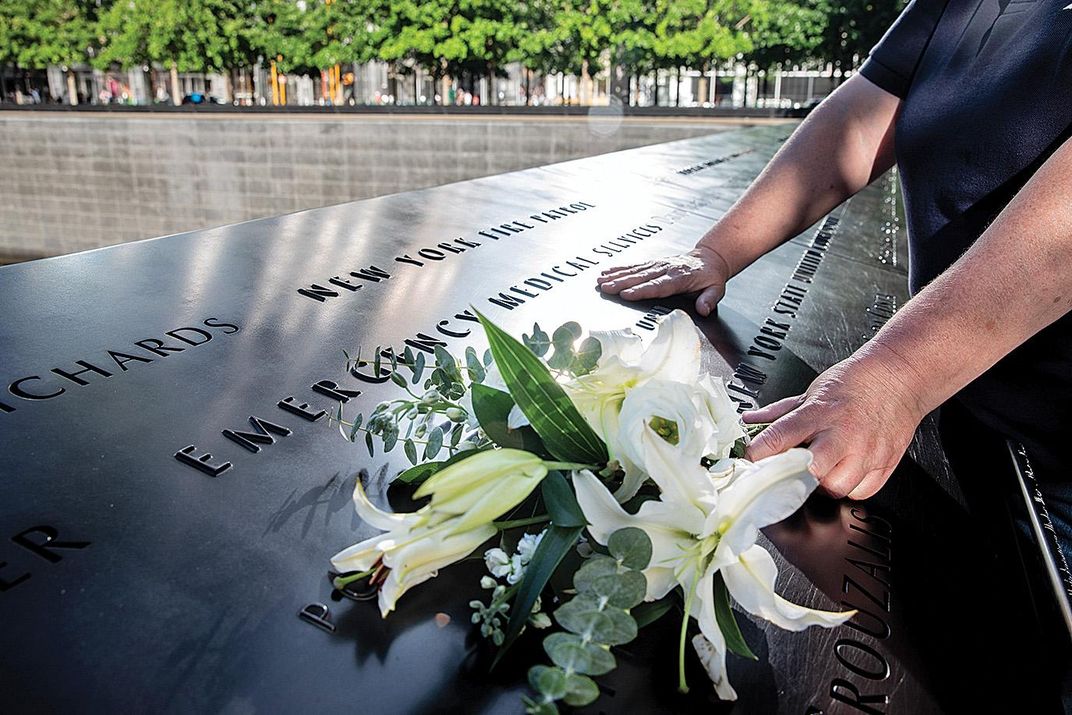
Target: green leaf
pixel 411 451
pixel 586 615
pixel 561 501
pixel 727 622
pixel 368 444
pixel 595 567
pixel 418 367
pixel 492 409
pixel 488 358
pixel 554 417
pixel 390 437
pixel 622 590
pixel 587 357
pixel 398 379
pixel 647 613
pixel 539 342
pixel 435 443
pixel 631 547
pixel 356 426
pixel 548 681
pixel 557 541
pixel 570 652
pixel 476 370
pixel 419 473
pixel 580 690
pixel 563 340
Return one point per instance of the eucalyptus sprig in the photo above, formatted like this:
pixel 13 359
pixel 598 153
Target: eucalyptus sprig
pixel 596 619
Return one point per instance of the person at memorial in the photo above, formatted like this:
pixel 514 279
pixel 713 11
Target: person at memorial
pixel 973 102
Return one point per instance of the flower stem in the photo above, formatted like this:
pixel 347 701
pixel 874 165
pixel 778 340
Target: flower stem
pixel 514 523
pixel 682 686
pixel 341 582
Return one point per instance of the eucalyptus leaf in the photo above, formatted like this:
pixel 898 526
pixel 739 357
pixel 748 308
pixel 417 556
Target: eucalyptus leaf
pixel 561 501
pixel 631 547
pixel 548 681
pixel 727 621
pixel 563 430
pixel 557 541
pixel 539 342
pixel 570 652
pixel 398 379
pixel 476 370
pixel 356 426
pixel 411 451
pixel 580 690
pixel 595 567
pixel 587 616
pixel 418 367
pixel 434 444
pixel 586 357
pixel 622 590
pixel 368 444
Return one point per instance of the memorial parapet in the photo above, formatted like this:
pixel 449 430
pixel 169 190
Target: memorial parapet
pixel 172 488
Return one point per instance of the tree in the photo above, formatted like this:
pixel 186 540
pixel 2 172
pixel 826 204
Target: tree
pixel 38 33
pixel 183 35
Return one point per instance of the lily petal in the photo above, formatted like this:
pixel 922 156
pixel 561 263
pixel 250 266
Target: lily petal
pixel 751 583
pixel 374 516
pixel 359 557
pixel 773 489
pixel 710 645
pixel 421 560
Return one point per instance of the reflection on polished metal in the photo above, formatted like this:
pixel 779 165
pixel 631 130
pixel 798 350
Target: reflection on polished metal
pixel 172 487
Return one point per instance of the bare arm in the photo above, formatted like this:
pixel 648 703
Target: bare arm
pixel 839 149
pixel 859 416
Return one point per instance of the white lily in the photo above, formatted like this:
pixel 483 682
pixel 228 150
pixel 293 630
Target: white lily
pixel 466 497
pixel 697 530
pixel 625 364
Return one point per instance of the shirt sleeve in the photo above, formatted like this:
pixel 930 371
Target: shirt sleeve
pixel 892 63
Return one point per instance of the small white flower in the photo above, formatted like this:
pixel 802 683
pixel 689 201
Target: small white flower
pixel 497 561
pixel 526 547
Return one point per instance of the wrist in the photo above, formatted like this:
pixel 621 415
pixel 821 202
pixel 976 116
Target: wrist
pixel 878 363
pixel 715 259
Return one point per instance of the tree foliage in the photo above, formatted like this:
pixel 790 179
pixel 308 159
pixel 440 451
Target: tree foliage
pixel 442 37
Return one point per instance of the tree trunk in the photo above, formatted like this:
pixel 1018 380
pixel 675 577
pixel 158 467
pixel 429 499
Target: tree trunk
pixel 528 87
pixel 416 89
pixel 677 83
pixel 176 94
pixel 655 100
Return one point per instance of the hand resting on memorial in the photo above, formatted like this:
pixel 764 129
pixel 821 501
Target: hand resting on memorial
pixel 701 270
pixel 857 418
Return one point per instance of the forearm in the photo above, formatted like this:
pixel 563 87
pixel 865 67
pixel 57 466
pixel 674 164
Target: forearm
pixel 839 149
pixel 1014 281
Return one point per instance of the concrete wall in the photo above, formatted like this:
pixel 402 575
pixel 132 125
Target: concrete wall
pixel 74 181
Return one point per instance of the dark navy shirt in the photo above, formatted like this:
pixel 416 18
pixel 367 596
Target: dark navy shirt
pixel 987 98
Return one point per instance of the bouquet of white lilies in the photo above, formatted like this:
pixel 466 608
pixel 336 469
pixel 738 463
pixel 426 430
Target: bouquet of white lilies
pixel 613 460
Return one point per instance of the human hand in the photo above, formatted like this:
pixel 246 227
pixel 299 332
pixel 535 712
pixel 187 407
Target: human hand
pixel 857 418
pixel 700 270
